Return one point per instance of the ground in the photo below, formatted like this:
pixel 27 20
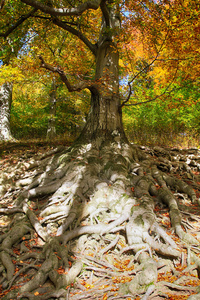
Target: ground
pixel 99 221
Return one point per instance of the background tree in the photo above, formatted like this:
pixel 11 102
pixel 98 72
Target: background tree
pixel 10 48
pixel 5 106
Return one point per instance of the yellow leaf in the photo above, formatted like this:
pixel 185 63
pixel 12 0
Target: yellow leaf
pixel 121 64
pixel 105 297
pixel 89 286
pixel 36 293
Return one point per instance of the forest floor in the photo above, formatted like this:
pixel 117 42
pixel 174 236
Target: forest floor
pixel 103 277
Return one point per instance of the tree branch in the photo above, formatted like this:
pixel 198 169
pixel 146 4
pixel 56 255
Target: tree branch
pixel 135 76
pixel 18 23
pixel 75 11
pixel 54 12
pixel 158 96
pixel 77 33
pixel 71 88
pixel 105 13
pixel 2 4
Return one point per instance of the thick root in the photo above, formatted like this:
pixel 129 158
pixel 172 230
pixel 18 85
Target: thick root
pixel 93 220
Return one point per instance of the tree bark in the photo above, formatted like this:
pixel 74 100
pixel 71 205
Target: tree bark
pixel 105 117
pixel 51 130
pixel 5 107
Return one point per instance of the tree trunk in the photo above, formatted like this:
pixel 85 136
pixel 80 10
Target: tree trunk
pixel 51 131
pixel 5 107
pixel 105 116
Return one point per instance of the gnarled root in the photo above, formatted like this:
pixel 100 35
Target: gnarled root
pixel 102 217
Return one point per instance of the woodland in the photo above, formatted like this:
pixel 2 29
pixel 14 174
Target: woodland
pixel 99 149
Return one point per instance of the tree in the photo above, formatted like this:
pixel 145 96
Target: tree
pixel 9 50
pixel 5 104
pixel 51 130
pixel 101 184
pixel 6 88
pixel 106 55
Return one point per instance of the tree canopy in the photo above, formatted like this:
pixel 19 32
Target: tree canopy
pixel 160 36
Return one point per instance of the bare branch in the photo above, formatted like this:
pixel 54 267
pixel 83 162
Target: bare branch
pixel 18 23
pixel 2 4
pixel 71 88
pixel 134 77
pixel 158 96
pixel 75 11
pixel 151 100
pixel 145 68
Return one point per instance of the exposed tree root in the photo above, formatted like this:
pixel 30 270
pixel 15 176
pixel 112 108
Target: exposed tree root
pixel 101 221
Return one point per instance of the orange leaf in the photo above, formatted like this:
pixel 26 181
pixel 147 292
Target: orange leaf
pixel 105 297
